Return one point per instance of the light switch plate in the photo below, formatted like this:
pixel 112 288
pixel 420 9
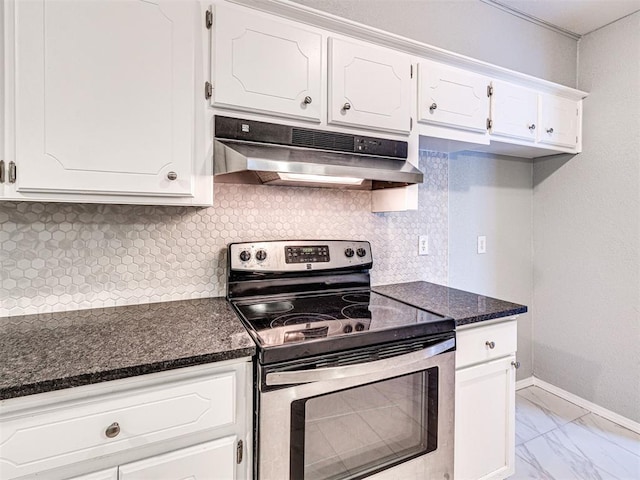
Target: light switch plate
pixel 482 244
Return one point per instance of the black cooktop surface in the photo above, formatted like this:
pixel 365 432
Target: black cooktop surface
pixel 311 324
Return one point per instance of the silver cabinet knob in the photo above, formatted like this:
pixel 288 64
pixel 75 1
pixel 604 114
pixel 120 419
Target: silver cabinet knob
pixel 532 127
pixel 549 130
pixel 308 100
pixel 433 107
pixel 515 364
pixel 172 175
pixel 346 106
pixel 112 430
pixel 490 344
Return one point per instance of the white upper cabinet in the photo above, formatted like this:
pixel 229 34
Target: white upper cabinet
pixel 104 97
pixel 558 121
pixel 369 87
pixel 514 111
pixel 452 97
pixel 265 65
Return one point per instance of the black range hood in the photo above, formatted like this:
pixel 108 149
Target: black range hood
pixel 254 152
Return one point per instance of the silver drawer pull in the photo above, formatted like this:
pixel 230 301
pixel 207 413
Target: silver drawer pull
pixel 172 176
pixel 308 100
pixel 549 130
pixel 433 107
pixel 515 364
pixel 532 127
pixel 346 106
pixel 490 344
pixel 112 430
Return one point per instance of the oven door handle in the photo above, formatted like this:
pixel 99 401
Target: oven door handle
pixel 334 373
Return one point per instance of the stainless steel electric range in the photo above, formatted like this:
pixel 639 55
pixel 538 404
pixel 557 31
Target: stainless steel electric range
pixel 350 384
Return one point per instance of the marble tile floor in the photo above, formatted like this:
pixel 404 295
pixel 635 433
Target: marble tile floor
pixel 557 440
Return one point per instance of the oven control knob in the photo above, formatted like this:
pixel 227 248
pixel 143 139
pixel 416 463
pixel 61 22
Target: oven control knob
pixel 261 255
pixel 348 252
pixel 347 329
pixel 359 327
pixel 245 255
pixel 361 252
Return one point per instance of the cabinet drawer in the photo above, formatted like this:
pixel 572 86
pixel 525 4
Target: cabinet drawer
pixel 481 344
pixel 65 433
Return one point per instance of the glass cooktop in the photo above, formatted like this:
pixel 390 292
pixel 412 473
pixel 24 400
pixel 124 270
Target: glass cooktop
pixel 319 323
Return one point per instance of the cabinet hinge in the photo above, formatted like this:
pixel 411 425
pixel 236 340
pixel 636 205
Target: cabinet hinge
pixel 208 19
pixel 208 90
pixel 489 124
pixel 12 174
pixel 410 123
pixel 239 451
pixel 1 171
pixel 489 90
pixel 412 71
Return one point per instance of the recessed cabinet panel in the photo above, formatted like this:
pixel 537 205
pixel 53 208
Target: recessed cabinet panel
pixel 558 121
pixel 452 97
pixel 105 97
pixel 110 474
pixel 514 111
pixel 264 65
pixel 203 462
pixel 369 87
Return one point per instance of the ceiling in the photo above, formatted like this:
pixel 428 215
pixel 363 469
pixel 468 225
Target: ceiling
pixel 576 17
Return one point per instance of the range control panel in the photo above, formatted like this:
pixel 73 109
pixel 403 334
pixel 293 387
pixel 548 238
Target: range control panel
pixel 308 254
pixel 299 255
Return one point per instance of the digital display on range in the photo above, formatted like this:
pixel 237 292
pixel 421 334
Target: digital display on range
pixel 306 254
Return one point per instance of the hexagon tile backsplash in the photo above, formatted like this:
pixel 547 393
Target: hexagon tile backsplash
pixel 57 257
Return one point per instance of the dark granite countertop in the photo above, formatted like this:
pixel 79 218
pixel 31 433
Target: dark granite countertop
pixel 464 307
pixel 40 353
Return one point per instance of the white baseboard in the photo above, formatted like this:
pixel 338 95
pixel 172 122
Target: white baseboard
pixel 525 382
pixel 581 402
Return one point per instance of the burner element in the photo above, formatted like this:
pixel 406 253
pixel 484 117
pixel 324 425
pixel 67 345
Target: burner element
pixel 357 297
pixel 302 318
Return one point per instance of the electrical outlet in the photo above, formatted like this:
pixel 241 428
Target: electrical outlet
pixel 423 245
pixel 482 244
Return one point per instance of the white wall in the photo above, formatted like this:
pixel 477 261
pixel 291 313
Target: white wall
pixel 467 27
pixel 587 234
pixel 492 196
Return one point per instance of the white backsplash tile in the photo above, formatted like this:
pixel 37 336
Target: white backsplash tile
pixel 57 257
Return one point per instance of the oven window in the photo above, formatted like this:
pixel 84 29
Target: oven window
pixel 353 433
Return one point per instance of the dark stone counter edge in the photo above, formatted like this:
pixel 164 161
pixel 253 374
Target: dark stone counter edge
pixel 490 316
pixel 98 377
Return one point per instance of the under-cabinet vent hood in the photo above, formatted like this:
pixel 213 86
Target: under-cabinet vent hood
pixel 271 154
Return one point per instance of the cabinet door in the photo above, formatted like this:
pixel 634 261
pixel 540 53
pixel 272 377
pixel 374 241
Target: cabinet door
pixel 452 97
pixel 558 121
pixel 105 96
pixel 485 421
pixel 266 65
pixel 369 87
pixel 109 474
pixel 209 460
pixel 514 111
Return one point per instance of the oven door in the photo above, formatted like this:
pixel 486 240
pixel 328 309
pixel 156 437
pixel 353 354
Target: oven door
pixel 381 418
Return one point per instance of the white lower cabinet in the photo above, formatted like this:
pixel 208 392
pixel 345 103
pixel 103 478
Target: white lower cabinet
pixel 485 402
pixel 187 423
pixel 202 462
